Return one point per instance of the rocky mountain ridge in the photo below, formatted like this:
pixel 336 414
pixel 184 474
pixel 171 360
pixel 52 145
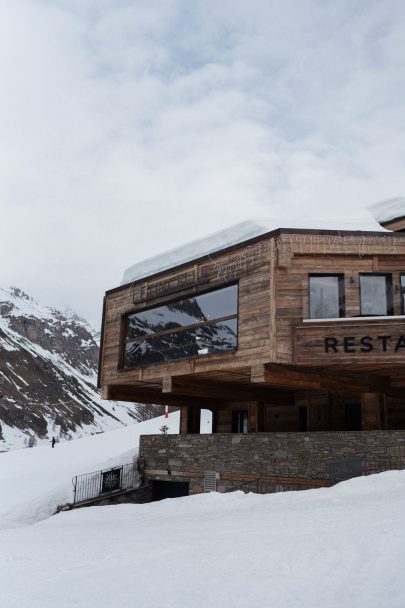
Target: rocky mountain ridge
pixel 48 373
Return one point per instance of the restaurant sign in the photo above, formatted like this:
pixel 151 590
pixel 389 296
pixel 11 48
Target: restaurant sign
pixel 325 345
pixel 363 344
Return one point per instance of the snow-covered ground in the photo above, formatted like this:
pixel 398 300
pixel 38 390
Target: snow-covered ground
pixel 341 547
pixel 35 481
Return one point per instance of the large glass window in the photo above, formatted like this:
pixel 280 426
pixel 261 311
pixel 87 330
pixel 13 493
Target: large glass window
pixel 376 294
pixel 201 325
pixel 326 296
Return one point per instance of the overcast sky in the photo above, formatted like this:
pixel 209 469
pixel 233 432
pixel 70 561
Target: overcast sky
pixel 128 127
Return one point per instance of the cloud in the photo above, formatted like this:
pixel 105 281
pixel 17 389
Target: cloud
pixel 128 127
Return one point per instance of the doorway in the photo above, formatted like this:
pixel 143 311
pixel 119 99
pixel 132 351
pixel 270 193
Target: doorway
pixel 353 416
pixel 169 489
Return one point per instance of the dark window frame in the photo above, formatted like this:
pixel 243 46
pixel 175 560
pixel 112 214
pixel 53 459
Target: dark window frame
pixel 239 418
pixel 402 292
pixel 122 367
pixel 341 292
pixel 389 293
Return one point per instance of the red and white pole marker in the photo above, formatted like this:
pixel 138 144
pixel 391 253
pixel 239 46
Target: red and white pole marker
pixel 166 411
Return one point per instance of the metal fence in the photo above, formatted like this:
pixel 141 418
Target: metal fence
pixel 105 482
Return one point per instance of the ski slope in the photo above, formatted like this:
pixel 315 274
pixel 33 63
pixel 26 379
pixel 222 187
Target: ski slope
pixel 340 547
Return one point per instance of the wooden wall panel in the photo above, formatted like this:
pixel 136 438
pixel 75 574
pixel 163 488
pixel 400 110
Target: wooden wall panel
pixel 281 418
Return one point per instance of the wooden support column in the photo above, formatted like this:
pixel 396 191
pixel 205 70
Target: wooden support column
pixel 255 417
pixel 190 420
pixel 252 417
pixel 183 419
pixel 370 406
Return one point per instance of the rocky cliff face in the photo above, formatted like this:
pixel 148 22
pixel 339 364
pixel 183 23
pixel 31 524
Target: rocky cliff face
pixel 48 371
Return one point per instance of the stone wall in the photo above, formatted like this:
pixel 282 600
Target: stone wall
pixel 268 462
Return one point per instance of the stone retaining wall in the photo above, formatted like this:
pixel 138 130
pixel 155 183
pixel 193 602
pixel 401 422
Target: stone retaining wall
pixel 269 462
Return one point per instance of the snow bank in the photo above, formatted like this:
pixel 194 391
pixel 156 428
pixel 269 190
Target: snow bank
pixel 330 548
pixel 326 548
pixel 389 209
pixel 35 481
pixel 239 233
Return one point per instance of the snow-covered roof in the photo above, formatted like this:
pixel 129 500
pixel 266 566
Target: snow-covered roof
pixel 389 209
pixel 238 233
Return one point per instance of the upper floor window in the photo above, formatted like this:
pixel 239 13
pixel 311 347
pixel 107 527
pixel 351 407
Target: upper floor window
pixel 376 294
pixel 402 278
pixel 200 325
pixel 326 296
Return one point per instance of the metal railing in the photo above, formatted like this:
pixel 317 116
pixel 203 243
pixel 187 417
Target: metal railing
pixel 105 482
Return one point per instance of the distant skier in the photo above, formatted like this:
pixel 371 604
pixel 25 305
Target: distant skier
pixel 53 442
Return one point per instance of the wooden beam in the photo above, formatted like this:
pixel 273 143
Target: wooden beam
pixel 137 395
pixel 278 375
pixel 262 374
pixel 190 420
pixel 190 386
pixel 167 384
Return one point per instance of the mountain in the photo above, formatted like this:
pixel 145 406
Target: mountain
pixel 48 372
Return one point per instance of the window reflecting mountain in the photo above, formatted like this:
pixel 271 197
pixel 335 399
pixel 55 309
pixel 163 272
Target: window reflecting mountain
pixel 186 328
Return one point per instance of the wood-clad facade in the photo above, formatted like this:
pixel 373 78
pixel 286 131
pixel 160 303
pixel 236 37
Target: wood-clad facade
pixel 293 332
pixel 283 369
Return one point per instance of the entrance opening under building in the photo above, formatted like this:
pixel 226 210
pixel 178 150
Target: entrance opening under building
pixel 353 416
pixel 169 489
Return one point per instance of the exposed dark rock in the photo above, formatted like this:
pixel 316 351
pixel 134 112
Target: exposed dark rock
pixel 48 366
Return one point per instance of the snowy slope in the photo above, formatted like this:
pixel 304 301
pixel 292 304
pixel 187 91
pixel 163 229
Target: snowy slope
pixel 242 232
pixel 34 482
pixel 341 547
pixel 48 373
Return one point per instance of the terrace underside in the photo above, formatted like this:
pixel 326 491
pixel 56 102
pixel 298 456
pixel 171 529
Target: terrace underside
pixel 280 397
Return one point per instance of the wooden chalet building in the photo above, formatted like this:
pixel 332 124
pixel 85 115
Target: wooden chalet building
pixel 294 339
